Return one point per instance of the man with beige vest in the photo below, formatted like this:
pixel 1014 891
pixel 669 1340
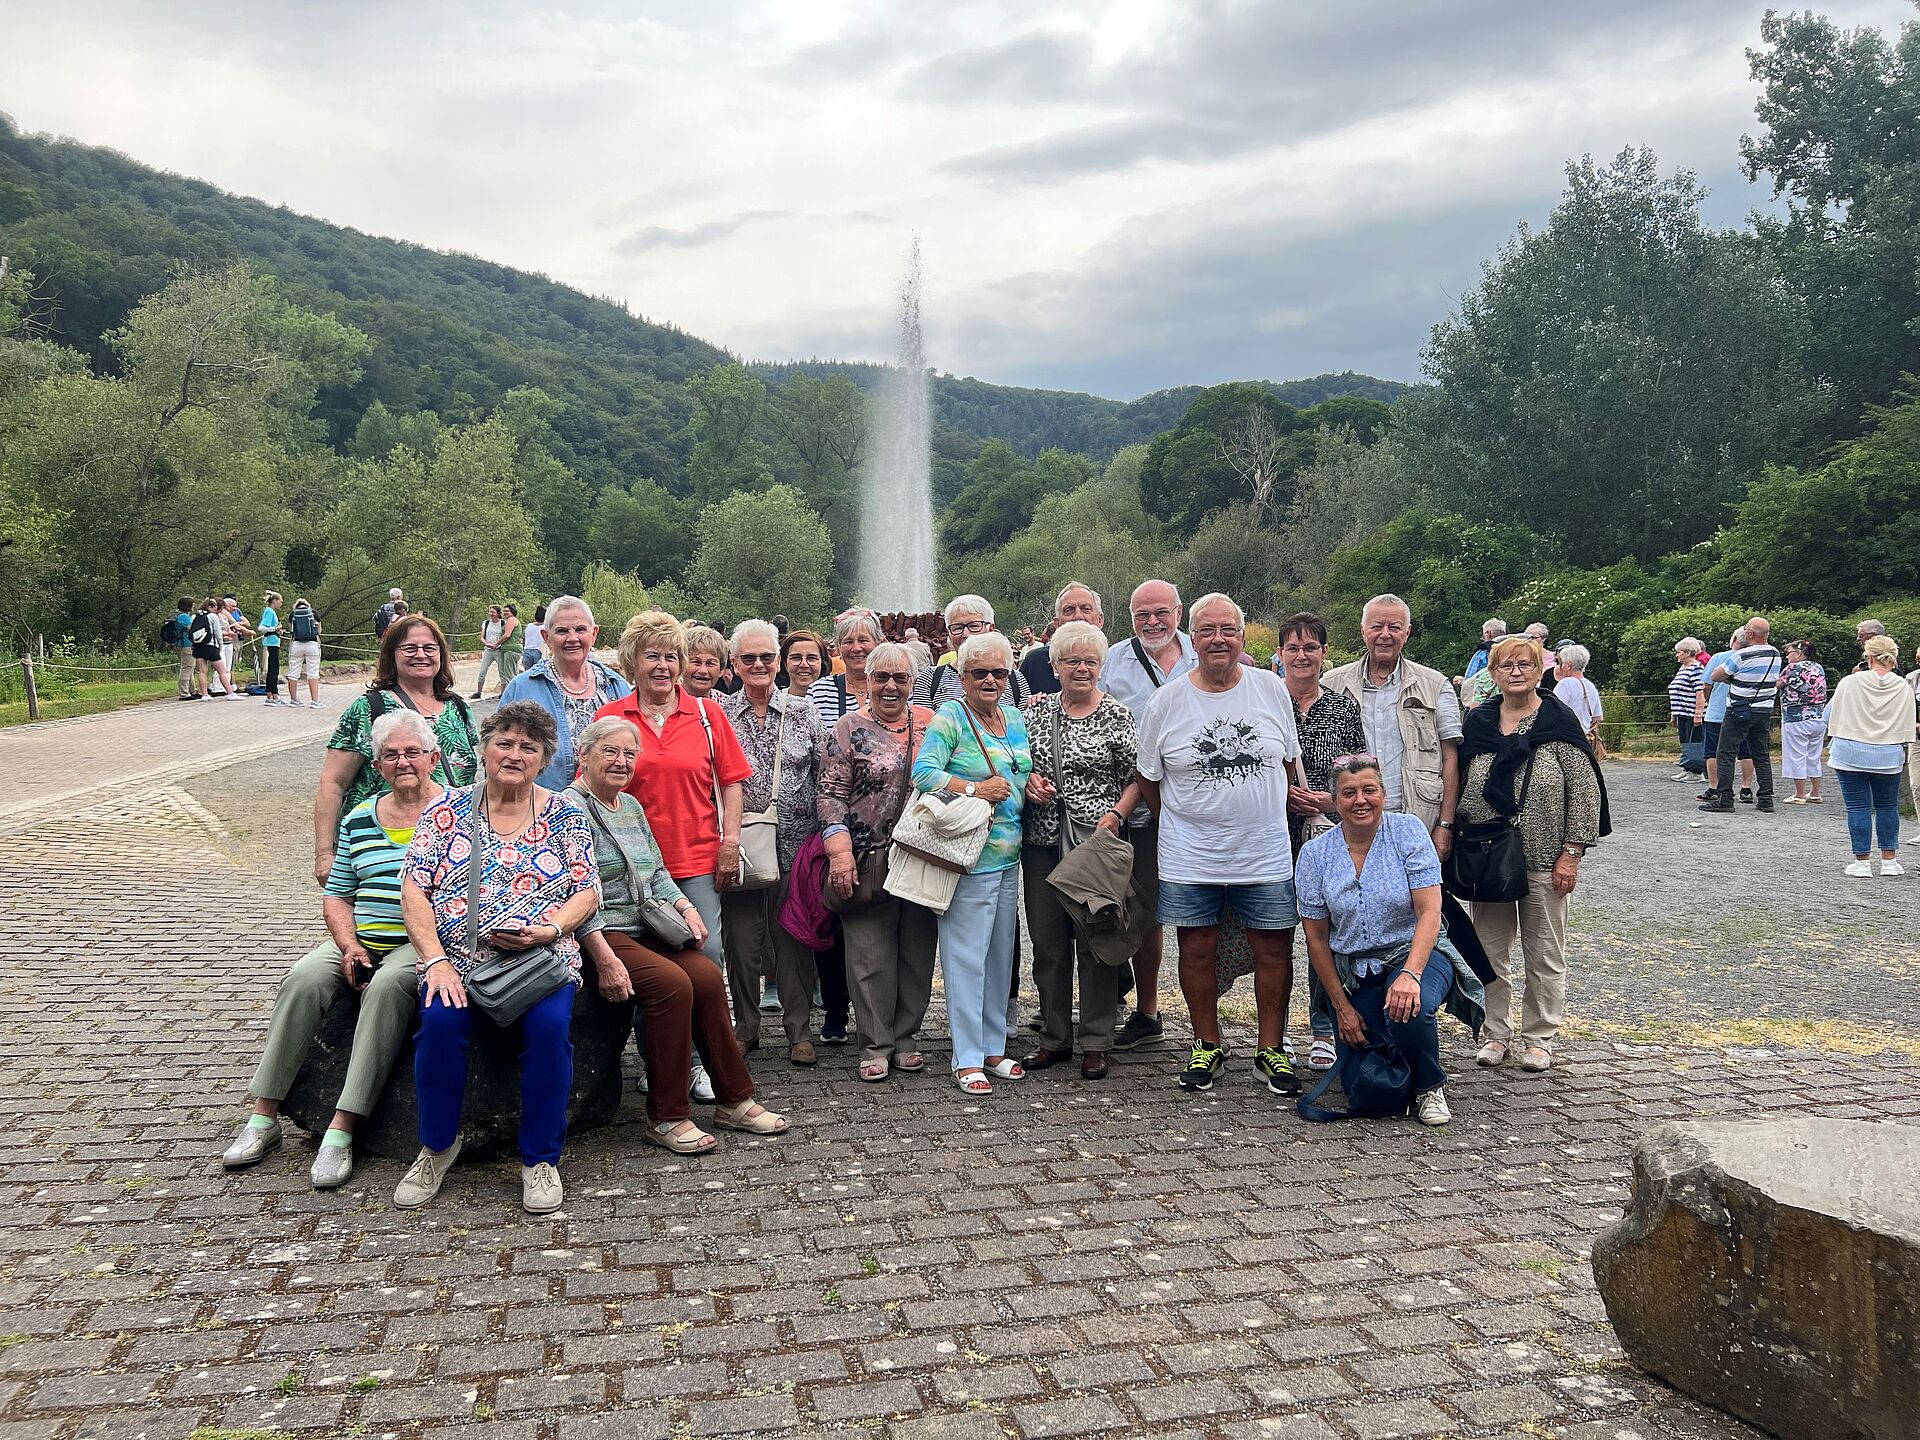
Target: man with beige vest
pixel 1411 716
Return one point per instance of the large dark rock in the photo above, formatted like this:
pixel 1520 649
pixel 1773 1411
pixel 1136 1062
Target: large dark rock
pixel 1772 1269
pixel 491 1120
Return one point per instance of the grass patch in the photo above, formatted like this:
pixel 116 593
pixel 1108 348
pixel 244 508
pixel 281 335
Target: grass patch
pixel 1843 1037
pixel 365 1383
pixel 1544 1265
pixel 7 1341
pixel 289 1383
pixel 89 700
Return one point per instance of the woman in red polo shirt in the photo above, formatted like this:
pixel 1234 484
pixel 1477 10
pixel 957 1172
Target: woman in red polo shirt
pixel 689 760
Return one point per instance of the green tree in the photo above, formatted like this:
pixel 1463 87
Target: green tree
pixel 1233 553
pixel 763 553
pixel 643 529
pixel 1345 493
pixel 1841 109
pixel 615 597
pixel 824 426
pixel 1235 443
pixel 727 453
pixel 1618 376
pixel 1002 493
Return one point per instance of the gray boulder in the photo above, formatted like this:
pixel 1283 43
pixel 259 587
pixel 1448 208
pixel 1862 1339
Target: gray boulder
pixel 491 1119
pixel 1772 1269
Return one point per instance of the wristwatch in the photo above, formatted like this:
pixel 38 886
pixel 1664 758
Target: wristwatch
pixel 1445 824
pixel 968 792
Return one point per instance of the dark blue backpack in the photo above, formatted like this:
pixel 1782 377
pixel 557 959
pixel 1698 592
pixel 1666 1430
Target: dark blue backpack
pixel 1376 1077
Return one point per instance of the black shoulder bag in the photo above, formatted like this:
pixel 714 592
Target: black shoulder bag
pixel 1487 863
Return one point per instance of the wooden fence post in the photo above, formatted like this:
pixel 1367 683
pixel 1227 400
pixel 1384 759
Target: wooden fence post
pixel 33 696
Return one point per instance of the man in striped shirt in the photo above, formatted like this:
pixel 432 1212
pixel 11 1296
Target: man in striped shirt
pixel 1752 676
pixel 1683 693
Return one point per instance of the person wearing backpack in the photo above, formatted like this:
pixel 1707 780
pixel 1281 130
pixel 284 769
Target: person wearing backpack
pixel 303 653
pixel 173 633
pixel 204 635
pixel 383 617
pixel 1368 892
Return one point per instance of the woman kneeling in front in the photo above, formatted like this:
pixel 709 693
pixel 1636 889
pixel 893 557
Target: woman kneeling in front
pixel 534 885
pixel 1369 898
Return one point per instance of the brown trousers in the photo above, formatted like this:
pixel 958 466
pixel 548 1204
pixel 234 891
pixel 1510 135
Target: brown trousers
pixel 683 1003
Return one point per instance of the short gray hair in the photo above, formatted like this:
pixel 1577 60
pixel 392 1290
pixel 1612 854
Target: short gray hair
pixel 411 722
pixel 975 647
pixel 1217 598
pixel 746 629
pixel 891 652
pixel 967 605
pixel 1870 627
pixel 1387 598
pixel 1098 603
pixel 1496 625
pixel 1575 657
pixel 704 640
pixel 852 620
pixel 1076 635
pixel 1690 644
pixel 569 602
pixel 600 729
pixel 1738 639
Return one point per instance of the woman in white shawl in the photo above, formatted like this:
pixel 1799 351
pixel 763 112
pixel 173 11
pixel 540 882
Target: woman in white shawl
pixel 1870 724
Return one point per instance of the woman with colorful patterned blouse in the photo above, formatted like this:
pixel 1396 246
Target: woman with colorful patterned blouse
pixel 414 672
pixel 366 951
pixel 1090 777
pixel 538 883
pixel 779 735
pixel 1803 722
pixel 1329 726
pixel 976 746
pixel 865 779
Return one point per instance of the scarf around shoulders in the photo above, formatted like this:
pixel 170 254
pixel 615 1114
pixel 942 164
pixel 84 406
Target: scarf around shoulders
pixel 1480 735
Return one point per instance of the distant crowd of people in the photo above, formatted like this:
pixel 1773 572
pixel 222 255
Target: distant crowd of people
pixel 726 828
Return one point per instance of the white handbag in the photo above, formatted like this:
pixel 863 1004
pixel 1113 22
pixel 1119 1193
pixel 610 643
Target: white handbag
pixel 930 829
pixel 759 829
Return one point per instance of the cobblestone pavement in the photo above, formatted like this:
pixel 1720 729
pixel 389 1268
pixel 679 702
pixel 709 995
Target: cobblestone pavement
pixel 1066 1258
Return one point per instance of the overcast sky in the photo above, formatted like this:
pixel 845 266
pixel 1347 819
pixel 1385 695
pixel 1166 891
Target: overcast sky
pixel 1110 197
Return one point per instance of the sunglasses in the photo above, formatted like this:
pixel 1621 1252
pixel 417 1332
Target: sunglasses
pixel 889 677
pixel 985 673
pixel 758 659
pixel 1359 757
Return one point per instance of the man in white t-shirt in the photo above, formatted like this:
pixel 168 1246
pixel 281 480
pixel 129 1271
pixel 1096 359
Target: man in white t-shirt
pixel 1216 751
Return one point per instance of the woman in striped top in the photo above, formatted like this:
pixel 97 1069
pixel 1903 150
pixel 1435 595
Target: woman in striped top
pixel 366 951
pixel 1682 693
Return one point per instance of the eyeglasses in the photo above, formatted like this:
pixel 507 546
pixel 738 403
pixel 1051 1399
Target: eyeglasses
pixel 1359 757
pixel 1517 667
pixel 1077 662
pixel 969 627
pixel 761 659
pixel 983 672
pixel 889 677
pixel 410 756
pixel 417 649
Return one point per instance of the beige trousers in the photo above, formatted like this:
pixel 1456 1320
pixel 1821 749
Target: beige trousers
pixel 1540 922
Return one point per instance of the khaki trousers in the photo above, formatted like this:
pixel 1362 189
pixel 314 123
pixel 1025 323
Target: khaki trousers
pixel 889 973
pixel 1540 923
pixel 1057 953
pixel 751 934
pixel 184 674
pixel 309 990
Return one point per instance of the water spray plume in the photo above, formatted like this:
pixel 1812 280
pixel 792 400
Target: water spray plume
pixel 896 529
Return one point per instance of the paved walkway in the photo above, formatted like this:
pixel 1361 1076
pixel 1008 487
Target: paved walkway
pixel 1063 1259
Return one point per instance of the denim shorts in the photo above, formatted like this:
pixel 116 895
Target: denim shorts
pixel 1257 907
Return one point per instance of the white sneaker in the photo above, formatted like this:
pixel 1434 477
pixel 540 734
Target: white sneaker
pixel 541 1192
pixel 235 695
pixel 422 1182
pixel 313 705
pixel 1892 867
pixel 1430 1107
pixel 702 1088
pixel 1860 869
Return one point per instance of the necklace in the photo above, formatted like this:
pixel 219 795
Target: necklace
pixel 569 690
pixel 906 719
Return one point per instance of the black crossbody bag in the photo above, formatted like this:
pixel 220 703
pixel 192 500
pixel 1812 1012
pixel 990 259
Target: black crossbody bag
pixel 1487 863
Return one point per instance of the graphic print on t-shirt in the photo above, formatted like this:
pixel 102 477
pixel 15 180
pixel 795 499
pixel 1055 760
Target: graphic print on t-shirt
pixel 1230 752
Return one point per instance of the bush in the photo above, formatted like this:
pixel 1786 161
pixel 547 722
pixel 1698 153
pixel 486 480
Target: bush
pixel 614 598
pixel 1262 641
pixel 1593 607
pixel 1646 645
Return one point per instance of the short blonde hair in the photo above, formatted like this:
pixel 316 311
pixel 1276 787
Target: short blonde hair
pixel 650 630
pixel 1524 643
pixel 704 640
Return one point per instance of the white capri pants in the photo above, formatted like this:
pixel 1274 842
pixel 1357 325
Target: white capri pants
pixel 1800 742
pixel 303 660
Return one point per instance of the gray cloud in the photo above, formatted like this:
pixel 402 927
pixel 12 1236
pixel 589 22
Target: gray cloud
pixel 666 237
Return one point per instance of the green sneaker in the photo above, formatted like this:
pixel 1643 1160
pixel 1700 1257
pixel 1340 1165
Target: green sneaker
pixel 1274 1063
pixel 1203 1065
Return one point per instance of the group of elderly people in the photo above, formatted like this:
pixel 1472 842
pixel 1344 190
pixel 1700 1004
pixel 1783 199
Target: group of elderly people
pixel 853 816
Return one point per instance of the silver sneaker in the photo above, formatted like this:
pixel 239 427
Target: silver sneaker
pixel 422 1182
pixel 541 1192
pixel 251 1143
pixel 702 1089
pixel 332 1166
pixel 1430 1107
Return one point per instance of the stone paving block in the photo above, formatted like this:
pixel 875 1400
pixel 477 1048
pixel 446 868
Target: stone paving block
pixel 743 1415
pixel 985 1382
pixel 958 1425
pixel 863 1402
pixel 1099 1368
pixel 647 1423
pixel 1070 1415
pixel 1505 1404
pixel 1188 1400
pixel 549 1392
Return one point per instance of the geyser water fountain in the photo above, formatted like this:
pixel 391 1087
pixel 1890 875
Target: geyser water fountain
pixel 896 513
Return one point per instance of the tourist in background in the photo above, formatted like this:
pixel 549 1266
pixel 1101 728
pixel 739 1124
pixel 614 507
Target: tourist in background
pixel 567 683
pixel 1579 694
pixel 512 639
pixel 1369 896
pixel 782 740
pixel 1683 703
pixel 414 672
pixel 1328 725
pixel 178 633
pixel 706 661
pixel 537 885
pixel 1411 716
pixel 303 653
pixel 1752 677
pixel 680 993
pixel 1713 711
pixel 386 614
pixel 234 635
pixel 491 630
pixel 1217 749
pixel 1870 727
pixel 269 632
pixel 533 638
pixel 966 616
pixel 1803 721
pixel 1076 601
pixel 1084 753
pixel 1491 631
pixel 865 779
pixel 366 951
pixel 839 694
pixel 1156 654
pixel 977 746
pixel 1527 759
pixel 1540 633
pixel 204 637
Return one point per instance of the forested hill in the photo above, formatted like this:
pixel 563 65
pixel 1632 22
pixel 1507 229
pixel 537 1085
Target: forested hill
pixel 1034 420
pixel 450 333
